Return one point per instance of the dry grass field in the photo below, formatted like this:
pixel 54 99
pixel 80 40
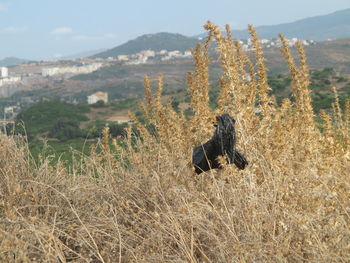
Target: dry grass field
pixel 139 199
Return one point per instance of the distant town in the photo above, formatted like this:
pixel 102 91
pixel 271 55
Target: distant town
pixel 38 74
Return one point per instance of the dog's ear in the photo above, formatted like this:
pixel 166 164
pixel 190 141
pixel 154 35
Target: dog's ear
pixel 227 116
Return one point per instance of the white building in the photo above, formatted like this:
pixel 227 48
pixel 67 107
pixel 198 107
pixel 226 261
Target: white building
pixel 148 53
pixel 73 70
pixel 11 111
pixel 4 72
pixel 7 84
pixel 49 71
pixel 10 80
pixel 97 96
pixel 162 52
pixel 175 53
pixel 138 61
pixel 123 57
pixel 187 53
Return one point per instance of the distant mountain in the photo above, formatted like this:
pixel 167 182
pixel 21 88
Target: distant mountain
pixel 12 61
pixel 154 42
pixel 331 26
pixel 84 54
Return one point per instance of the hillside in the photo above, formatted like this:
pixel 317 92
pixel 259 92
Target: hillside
pixel 83 54
pixel 334 54
pixel 126 81
pixel 333 26
pixel 331 54
pixel 154 42
pixel 44 116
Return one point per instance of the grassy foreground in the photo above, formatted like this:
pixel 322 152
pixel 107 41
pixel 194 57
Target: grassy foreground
pixel 145 204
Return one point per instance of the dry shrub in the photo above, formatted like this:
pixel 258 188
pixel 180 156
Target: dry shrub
pixel 145 204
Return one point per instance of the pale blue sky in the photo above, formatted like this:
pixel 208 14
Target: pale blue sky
pixel 42 29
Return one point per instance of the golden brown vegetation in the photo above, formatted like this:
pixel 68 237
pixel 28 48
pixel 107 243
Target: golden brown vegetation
pixel 145 204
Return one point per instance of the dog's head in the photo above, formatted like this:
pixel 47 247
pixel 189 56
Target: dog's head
pixel 224 136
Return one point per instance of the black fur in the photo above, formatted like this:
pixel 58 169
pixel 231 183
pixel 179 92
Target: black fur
pixel 222 143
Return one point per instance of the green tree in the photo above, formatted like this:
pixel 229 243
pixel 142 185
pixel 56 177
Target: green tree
pixel 65 130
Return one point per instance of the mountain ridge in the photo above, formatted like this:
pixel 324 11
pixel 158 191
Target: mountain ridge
pixel 13 61
pixel 156 42
pixel 330 26
pixel 83 54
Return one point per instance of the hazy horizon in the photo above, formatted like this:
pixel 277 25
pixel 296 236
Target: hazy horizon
pixel 42 30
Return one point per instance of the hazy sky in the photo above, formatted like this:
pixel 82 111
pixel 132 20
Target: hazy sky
pixel 43 29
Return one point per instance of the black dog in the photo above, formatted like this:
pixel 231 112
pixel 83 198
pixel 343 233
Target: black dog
pixel 222 143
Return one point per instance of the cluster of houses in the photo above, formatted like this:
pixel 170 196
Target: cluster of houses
pixel 274 43
pixel 10 82
pixel 146 56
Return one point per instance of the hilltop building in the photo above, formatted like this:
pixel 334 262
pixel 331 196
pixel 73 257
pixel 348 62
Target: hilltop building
pixel 149 56
pixel 97 96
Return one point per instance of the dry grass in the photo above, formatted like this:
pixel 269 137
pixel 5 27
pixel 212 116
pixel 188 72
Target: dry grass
pixel 292 203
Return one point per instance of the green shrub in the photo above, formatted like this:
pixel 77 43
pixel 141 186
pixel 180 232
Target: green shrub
pixel 41 117
pixel 99 104
pixel 65 130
